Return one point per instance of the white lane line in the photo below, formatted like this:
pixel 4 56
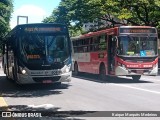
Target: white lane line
pixel 146 90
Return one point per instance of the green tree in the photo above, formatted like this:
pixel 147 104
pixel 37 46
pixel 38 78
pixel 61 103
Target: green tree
pixel 6 8
pixel 133 12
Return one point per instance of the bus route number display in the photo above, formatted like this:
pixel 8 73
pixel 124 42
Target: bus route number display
pixel 43 29
pixel 137 30
pixel 33 56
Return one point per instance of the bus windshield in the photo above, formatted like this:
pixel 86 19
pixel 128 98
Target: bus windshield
pixel 141 46
pixel 50 48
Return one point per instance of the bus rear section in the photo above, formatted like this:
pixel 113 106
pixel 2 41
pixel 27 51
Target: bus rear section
pixel 38 53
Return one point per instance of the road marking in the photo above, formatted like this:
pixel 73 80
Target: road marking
pixel 2 102
pixel 146 90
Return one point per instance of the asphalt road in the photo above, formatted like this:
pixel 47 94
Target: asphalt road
pixel 84 93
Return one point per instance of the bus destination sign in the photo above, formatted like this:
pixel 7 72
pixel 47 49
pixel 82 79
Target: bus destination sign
pixel 137 30
pixel 43 29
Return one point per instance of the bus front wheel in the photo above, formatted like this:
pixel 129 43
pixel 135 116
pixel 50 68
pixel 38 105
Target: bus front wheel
pixel 57 84
pixel 136 77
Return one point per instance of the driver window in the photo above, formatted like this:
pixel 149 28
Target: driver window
pixel 60 43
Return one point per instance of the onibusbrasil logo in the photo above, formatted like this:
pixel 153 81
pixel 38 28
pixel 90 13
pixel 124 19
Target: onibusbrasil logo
pixel 21 114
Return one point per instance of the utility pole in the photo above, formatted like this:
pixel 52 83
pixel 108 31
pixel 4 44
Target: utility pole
pixel 22 17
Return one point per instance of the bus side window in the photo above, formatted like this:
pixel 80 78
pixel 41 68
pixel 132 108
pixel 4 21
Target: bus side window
pixel 95 43
pixel 90 44
pixel 86 45
pixel 91 40
pixel 102 42
pixel 91 48
pixel 96 39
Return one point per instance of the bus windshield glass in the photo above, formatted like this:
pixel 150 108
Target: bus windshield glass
pixel 140 46
pixel 51 48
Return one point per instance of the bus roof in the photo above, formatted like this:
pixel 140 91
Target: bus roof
pixel 108 30
pixel 136 27
pixel 38 24
pixel 34 25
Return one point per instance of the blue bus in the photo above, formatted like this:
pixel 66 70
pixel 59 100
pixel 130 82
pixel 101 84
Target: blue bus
pixel 38 53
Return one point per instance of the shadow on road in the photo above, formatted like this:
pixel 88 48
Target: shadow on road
pixel 109 79
pixel 10 89
pixel 52 112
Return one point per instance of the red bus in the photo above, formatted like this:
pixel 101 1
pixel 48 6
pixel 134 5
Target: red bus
pixel 159 54
pixel 120 51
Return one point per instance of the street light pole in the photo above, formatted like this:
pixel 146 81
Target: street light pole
pixel 22 17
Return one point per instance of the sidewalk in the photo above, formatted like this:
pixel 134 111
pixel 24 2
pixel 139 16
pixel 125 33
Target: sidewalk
pixel 1 70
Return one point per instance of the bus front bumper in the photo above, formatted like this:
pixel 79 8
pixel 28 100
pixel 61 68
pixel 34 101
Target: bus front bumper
pixel 27 79
pixel 122 71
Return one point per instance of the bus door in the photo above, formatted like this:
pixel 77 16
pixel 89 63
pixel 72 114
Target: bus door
pixel 4 57
pixel 111 54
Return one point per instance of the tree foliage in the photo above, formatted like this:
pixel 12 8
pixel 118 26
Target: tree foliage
pixel 132 12
pixel 6 8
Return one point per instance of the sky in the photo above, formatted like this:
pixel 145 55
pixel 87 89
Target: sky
pixel 36 10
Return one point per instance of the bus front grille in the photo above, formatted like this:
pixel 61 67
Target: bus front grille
pixel 41 79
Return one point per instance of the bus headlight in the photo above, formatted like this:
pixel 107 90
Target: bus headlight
pixel 123 66
pixel 66 69
pixel 23 71
pixel 155 65
pixel 120 64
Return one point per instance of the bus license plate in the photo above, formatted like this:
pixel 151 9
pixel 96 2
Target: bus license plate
pixel 140 71
pixel 47 81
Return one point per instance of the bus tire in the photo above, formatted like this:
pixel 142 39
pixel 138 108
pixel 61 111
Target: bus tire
pixel 9 79
pixel 15 78
pixel 76 72
pixel 57 84
pixel 102 72
pixel 4 69
pixel 7 76
pixel 136 77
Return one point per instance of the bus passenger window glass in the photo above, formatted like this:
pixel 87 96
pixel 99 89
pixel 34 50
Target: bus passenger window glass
pixel 102 43
pixel 74 43
pixel 85 49
pixel 83 42
pixel 96 47
pixel 96 39
pixel 91 48
pixel 134 45
pixel 91 40
pixel 87 41
pixel 75 50
pixel 79 42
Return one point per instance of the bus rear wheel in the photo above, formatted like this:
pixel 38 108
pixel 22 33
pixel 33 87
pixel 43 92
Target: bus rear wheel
pixel 102 73
pixel 136 77
pixel 76 72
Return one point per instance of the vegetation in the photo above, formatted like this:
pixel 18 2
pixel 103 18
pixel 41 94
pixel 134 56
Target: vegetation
pixel 132 12
pixel 6 9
